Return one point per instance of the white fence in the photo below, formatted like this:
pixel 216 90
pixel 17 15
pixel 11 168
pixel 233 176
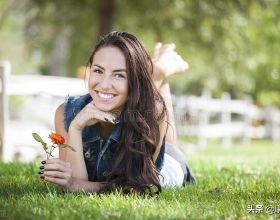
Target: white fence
pixel 15 136
pixel 206 117
pixel 203 117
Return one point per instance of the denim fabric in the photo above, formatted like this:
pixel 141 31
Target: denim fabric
pixel 98 153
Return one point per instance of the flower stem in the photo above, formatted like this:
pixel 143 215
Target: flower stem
pixel 52 149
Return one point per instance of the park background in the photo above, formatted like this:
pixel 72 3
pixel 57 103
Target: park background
pixel 231 46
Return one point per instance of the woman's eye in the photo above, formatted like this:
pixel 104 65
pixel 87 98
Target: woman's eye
pixel 97 71
pixel 119 75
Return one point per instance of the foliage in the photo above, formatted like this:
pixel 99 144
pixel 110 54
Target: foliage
pixel 228 180
pixel 230 45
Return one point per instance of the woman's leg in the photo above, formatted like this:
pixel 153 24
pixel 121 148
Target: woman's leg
pixel 166 62
pixel 163 55
pixel 171 135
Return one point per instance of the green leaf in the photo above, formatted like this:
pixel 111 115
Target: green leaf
pixel 37 137
pixel 67 146
pixel 40 140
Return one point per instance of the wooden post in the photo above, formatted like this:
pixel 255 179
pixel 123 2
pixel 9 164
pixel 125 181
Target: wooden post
pixel 203 121
pixel 226 119
pixel 247 121
pixel 5 70
pixel 274 124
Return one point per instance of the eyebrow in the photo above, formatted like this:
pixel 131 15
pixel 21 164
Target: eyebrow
pixel 116 70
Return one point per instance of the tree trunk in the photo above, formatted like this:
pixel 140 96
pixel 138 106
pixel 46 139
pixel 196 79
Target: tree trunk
pixel 57 60
pixel 106 13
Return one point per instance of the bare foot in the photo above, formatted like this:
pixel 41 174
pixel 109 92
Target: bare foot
pixel 167 61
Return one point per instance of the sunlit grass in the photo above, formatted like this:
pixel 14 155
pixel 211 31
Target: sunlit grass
pixel 228 180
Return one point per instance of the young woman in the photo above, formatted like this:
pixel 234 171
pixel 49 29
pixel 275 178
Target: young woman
pixel 123 130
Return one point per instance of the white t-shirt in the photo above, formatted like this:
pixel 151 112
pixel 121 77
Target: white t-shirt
pixel 171 173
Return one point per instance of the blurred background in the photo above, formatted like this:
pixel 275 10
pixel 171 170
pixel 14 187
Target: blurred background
pixel 232 87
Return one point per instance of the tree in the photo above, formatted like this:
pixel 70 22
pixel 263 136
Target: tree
pixel 230 45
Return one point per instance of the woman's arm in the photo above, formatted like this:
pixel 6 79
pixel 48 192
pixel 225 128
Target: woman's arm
pixel 74 138
pixel 69 170
pixel 79 185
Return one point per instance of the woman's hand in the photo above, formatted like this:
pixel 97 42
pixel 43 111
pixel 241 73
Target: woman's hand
pixel 90 115
pixel 167 61
pixel 57 171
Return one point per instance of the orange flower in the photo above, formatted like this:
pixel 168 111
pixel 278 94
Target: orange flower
pixel 57 138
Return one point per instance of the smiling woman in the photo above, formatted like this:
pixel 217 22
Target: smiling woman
pixel 108 84
pixel 120 128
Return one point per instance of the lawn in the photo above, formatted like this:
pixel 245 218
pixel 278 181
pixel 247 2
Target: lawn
pixel 229 180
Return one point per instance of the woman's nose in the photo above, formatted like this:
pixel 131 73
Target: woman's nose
pixel 105 82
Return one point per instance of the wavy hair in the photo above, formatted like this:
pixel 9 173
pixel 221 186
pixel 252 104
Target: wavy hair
pixel 133 169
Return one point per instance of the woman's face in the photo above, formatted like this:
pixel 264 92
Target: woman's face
pixel 108 83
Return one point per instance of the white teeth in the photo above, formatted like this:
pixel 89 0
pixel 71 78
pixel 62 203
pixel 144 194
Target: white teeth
pixel 105 96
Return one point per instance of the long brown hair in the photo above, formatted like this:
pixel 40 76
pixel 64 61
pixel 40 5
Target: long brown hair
pixel 134 169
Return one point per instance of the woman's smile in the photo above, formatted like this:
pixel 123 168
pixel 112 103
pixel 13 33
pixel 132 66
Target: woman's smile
pixel 105 96
pixel 108 82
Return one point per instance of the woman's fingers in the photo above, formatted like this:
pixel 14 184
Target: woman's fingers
pixel 61 182
pixel 58 162
pixel 57 171
pixel 90 115
pixel 57 174
pixel 100 116
pixel 103 116
pixel 58 167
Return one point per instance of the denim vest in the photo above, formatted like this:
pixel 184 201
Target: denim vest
pixel 98 153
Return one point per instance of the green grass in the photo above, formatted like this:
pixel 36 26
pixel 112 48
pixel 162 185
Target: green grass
pixel 228 180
